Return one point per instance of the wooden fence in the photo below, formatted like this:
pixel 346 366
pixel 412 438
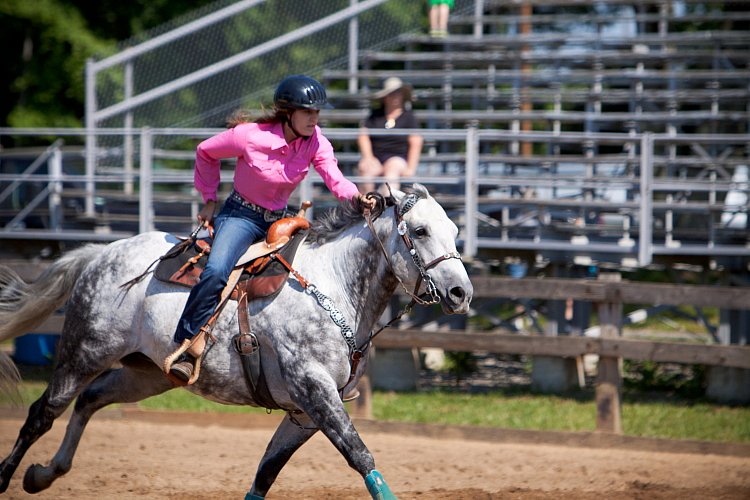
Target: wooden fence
pixel 609 296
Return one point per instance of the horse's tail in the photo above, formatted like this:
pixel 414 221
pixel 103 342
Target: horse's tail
pixel 24 306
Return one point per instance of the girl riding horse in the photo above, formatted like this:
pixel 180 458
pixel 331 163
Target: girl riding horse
pixel 273 154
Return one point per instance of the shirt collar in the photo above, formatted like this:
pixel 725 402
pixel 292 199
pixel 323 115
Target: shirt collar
pixel 278 141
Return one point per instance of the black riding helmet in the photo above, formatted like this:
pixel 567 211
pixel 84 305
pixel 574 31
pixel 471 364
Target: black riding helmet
pixel 301 92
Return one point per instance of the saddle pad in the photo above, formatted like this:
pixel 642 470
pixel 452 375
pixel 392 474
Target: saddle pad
pixel 261 277
pixel 177 258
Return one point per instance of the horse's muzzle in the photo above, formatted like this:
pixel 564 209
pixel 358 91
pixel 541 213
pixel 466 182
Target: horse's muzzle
pixel 456 299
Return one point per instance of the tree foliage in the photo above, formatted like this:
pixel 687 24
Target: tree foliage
pixel 46 44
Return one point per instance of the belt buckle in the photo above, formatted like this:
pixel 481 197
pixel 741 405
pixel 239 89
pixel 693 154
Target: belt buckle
pixel 268 216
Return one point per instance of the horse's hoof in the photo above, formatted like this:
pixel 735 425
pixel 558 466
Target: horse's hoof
pixel 30 482
pixel 5 476
pixel 378 488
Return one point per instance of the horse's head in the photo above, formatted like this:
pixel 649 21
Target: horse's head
pixel 425 253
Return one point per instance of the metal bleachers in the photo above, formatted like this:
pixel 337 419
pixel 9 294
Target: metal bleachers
pixel 558 129
pixel 674 69
pixel 625 69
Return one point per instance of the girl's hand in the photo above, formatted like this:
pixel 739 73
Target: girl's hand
pixel 206 215
pixel 367 201
pixel 364 201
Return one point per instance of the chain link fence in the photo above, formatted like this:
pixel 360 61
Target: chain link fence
pixel 208 102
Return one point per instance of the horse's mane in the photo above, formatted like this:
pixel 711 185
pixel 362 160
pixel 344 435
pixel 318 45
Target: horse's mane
pixel 333 222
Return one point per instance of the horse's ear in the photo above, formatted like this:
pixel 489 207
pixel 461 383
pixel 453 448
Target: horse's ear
pixel 396 195
pixel 420 189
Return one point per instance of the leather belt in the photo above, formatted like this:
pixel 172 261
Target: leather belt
pixel 268 215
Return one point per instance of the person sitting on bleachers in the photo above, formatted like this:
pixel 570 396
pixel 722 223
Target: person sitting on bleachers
pixel 390 156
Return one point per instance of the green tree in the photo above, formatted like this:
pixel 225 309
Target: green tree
pixel 46 44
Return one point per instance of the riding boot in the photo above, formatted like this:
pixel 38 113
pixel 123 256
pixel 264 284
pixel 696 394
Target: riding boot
pixel 183 365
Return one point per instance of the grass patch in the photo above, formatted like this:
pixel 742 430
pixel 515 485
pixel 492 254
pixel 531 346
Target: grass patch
pixel 659 416
pixel 701 421
pixel 496 409
pixel 182 400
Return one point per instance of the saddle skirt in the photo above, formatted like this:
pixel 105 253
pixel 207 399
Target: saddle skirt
pixel 262 274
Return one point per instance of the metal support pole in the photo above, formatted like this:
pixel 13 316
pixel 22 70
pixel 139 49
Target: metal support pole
pixel 471 189
pixel 128 143
pixel 645 232
pixel 478 13
pixel 306 194
pixel 353 50
pixel 146 201
pixel 90 137
pixel 54 166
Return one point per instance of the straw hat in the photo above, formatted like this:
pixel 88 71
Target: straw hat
pixel 391 85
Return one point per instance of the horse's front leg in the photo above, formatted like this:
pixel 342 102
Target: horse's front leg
pixel 292 433
pixel 322 403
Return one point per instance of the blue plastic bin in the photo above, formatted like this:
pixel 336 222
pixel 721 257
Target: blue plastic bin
pixel 36 349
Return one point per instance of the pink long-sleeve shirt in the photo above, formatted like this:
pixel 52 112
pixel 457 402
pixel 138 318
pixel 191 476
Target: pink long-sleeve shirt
pixel 268 169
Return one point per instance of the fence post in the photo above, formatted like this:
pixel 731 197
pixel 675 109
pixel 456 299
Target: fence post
pixel 362 406
pixel 145 198
pixel 609 368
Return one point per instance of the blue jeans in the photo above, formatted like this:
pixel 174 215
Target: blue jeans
pixel 237 227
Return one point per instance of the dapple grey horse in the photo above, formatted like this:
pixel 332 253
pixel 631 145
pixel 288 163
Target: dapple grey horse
pixel 307 334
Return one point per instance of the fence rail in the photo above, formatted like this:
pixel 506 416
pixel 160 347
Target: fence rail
pixel 610 347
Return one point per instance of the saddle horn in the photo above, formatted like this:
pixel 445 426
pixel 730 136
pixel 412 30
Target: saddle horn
pixel 303 208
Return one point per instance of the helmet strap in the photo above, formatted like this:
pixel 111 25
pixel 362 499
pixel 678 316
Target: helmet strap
pixel 288 120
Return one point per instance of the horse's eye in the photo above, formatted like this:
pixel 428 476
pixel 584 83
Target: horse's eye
pixel 420 232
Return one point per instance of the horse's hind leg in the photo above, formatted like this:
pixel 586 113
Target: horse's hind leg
pixel 134 382
pixel 289 436
pixel 56 398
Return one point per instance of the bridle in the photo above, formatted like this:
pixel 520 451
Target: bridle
pixel 431 295
pixel 403 230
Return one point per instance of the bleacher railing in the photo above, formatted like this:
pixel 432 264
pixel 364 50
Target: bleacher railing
pixel 624 196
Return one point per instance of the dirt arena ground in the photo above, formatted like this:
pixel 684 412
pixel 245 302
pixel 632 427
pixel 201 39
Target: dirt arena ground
pixel 131 455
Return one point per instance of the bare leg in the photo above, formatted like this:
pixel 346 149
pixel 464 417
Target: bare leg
pixel 434 20
pixel 392 170
pixel 369 168
pixel 443 13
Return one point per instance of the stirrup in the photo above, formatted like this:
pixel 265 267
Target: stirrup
pixel 351 395
pixel 189 346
